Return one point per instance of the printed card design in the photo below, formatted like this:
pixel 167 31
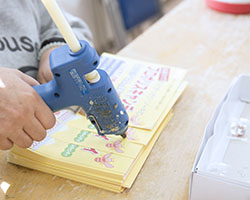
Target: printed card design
pixel 83 138
pixel 141 87
pixel 73 153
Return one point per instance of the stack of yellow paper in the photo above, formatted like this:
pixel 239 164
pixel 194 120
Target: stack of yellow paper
pixel 73 149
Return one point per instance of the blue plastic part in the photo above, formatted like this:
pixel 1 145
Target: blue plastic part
pixel 135 12
pixel 69 87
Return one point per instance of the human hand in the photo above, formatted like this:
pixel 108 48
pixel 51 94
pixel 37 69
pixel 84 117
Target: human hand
pixel 24 117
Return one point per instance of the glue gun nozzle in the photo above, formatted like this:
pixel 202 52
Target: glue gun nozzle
pixel 124 135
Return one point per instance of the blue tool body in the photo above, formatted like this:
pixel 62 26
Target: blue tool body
pixel 69 87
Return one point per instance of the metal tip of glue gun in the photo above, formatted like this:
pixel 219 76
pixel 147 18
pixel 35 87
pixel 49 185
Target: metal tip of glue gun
pixel 124 135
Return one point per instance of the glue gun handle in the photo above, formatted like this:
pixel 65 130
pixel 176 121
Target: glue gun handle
pixel 50 94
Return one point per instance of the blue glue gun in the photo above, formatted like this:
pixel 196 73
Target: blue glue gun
pixel 69 87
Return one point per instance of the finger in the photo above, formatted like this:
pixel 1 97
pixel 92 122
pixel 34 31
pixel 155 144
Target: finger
pixel 41 79
pixel 5 144
pixel 35 130
pixel 28 79
pixel 21 139
pixel 49 76
pixel 45 115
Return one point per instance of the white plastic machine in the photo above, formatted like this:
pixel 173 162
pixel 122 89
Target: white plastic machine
pixel 222 166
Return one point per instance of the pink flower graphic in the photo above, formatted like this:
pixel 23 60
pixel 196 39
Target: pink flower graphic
pixel 116 145
pixel 105 160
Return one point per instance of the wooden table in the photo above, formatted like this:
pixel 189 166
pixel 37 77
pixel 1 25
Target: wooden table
pixel 214 48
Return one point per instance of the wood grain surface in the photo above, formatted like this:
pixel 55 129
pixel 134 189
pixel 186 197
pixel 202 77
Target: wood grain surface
pixel 214 48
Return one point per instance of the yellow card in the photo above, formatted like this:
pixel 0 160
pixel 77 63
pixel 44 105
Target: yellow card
pixel 91 142
pixel 112 184
pixel 77 157
pixel 141 86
